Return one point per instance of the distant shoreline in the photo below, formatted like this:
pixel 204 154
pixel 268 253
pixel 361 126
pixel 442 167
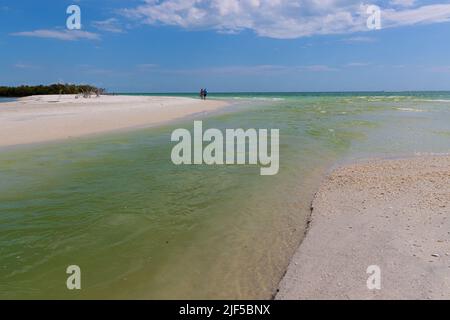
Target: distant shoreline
pixel 56 89
pixel 284 92
pixel 55 117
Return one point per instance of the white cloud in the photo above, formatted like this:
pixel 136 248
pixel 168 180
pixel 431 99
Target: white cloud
pixel 109 25
pixel 270 18
pixel 357 64
pixel 436 13
pixel 66 35
pixel 440 69
pixel 318 68
pixel 403 3
pixel 283 19
pixel 253 70
pixel 359 39
pixel 147 66
pixel 21 65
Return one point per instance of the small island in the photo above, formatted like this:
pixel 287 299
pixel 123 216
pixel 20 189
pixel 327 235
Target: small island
pixel 57 88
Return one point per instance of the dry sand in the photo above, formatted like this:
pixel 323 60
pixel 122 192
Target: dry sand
pixel 46 118
pixel 390 213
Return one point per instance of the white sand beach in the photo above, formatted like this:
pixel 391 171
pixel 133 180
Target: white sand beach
pixel 52 117
pixel 391 213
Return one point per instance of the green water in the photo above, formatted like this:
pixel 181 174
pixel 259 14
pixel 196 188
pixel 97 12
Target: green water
pixel 141 227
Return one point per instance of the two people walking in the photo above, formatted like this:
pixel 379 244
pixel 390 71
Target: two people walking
pixel 203 94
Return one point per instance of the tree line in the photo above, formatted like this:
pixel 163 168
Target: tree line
pixel 24 91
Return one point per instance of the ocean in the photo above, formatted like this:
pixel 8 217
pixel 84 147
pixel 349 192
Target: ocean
pixel 140 227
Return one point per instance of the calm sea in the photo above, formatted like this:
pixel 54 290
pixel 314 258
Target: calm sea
pixel 141 227
pixel 6 99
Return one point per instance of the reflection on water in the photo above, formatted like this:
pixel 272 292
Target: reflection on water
pixel 140 227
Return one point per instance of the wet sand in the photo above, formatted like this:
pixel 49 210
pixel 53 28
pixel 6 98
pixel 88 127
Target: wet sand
pixel 52 117
pixel 394 214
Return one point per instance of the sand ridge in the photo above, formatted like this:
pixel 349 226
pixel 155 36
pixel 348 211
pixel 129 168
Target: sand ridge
pixel 53 117
pixel 390 213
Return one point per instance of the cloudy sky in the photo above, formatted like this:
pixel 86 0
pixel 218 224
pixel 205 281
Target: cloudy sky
pixel 228 45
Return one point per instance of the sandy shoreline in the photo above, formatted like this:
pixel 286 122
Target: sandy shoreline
pixel 391 213
pixel 48 118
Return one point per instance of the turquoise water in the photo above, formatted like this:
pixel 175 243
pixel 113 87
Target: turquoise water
pixel 141 227
pixel 6 99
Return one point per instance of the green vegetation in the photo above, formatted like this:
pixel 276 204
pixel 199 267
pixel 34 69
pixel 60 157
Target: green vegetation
pixel 24 91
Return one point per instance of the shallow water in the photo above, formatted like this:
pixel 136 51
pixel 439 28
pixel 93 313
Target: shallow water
pixel 6 99
pixel 141 227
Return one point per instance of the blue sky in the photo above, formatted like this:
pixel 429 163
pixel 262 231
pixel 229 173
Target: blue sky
pixel 227 45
